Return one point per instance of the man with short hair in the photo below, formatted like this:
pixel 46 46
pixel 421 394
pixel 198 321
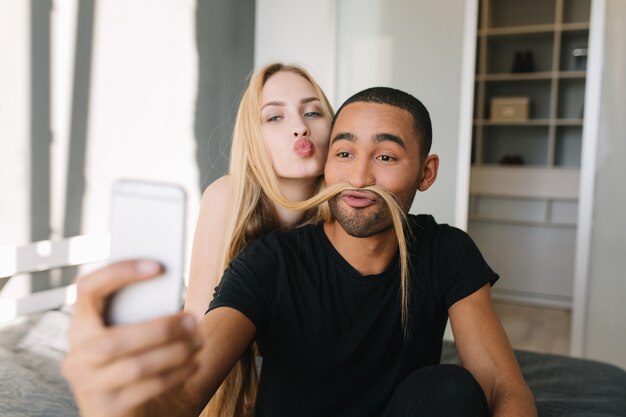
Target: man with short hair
pixel 324 302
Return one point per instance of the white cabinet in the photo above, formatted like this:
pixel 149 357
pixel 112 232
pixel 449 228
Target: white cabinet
pixel 525 172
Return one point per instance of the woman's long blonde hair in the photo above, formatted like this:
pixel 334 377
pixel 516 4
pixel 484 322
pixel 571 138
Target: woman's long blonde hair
pixel 254 190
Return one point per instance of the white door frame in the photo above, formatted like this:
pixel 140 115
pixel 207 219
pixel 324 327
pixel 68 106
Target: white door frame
pixel 466 113
pixel 593 89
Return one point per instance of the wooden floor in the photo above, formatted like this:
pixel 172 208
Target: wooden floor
pixel 536 329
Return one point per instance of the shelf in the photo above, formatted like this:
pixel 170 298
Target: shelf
pixel 569 122
pixel 517 30
pixel 510 76
pixel 573 74
pixel 539 211
pixel 574 27
pixel 482 219
pixel 534 29
pixel 524 181
pixel 529 122
pixel 530 76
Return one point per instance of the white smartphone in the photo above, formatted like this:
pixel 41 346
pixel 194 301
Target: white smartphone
pixel 148 222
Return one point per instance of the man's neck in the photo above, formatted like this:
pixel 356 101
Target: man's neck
pixel 370 255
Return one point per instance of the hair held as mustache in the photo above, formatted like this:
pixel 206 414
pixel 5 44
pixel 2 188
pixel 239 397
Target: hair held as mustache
pixel 397 214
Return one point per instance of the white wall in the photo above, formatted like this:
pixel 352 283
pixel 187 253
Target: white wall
pixel 14 121
pixel 605 335
pixel 411 45
pixel 143 92
pixel 300 32
pixel 415 46
pixel 15 129
pixel 116 87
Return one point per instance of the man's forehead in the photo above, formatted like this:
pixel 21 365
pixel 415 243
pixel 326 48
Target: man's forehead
pixel 370 115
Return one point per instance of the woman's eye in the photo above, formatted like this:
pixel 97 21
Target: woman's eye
pixel 312 114
pixel 274 118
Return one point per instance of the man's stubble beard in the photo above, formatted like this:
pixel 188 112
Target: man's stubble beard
pixel 356 222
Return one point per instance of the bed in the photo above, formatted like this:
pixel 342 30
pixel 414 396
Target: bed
pixel 565 386
pixel 31 384
pixel 33 341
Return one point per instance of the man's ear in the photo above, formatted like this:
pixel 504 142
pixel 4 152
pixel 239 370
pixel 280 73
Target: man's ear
pixel 429 172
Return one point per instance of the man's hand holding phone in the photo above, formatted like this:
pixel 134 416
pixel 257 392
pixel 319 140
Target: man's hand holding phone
pixel 113 370
pixel 129 342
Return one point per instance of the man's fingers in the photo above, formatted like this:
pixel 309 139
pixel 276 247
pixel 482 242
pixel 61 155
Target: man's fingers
pixel 147 358
pixel 104 282
pixel 153 363
pixel 94 400
pixel 94 290
pixel 118 341
pixel 142 392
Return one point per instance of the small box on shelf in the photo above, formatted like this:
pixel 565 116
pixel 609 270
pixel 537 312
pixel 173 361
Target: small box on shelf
pixel 510 109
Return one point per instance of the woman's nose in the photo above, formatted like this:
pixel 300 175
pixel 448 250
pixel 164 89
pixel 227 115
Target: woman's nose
pixel 300 129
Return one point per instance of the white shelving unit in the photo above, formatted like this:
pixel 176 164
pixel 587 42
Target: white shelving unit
pixel 523 216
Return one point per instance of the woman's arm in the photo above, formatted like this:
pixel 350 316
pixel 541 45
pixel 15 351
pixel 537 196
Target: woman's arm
pixel 485 351
pixel 205 269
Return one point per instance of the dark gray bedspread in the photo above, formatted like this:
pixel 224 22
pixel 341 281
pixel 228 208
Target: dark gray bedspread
pixel 30 380
pixel 565 386
pixel 31 384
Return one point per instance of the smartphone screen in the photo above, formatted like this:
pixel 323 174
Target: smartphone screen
pixel 148 222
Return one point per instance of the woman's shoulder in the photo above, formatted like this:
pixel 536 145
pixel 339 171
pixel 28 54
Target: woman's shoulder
pixel 218 187
pixel 216 194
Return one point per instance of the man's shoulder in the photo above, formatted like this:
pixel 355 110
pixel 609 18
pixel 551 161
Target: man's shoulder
pixel 432 235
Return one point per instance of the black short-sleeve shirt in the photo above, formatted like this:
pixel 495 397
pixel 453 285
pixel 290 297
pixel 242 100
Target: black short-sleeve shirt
pixel 332 340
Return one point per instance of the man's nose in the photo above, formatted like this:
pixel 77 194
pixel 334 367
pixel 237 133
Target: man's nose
pixel 361 174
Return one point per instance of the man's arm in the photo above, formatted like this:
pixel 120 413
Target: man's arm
pixel 485 351
pixel 226 333
pixel 120 371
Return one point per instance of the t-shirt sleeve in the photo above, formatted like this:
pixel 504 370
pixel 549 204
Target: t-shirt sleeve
pixel 465 269
pixel 248 285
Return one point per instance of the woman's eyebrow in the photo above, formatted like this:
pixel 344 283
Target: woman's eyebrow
pixel 308 100
pixel 273 103
pixel 282 103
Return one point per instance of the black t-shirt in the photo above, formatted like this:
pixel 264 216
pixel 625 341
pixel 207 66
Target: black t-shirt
pixel 332 340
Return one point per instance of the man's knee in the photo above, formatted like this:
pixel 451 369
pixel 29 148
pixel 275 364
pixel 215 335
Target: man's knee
pixel 450 380
pixel 440 389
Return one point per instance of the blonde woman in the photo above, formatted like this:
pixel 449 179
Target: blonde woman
pixel 280 144
pixel 279 149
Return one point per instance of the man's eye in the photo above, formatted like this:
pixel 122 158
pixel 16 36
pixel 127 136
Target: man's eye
pixel 343 154
pixel 386 158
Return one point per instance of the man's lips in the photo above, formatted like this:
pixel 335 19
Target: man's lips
pixel 304 148
pixel 358 199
